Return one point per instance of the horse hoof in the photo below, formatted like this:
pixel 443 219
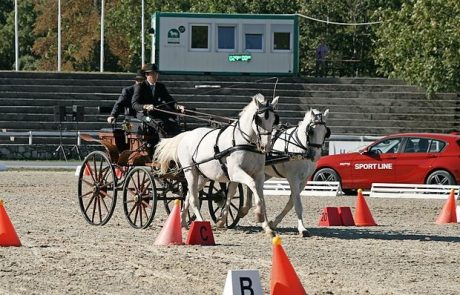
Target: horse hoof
pixel 259 217
pixel 271 225
pixel 305 234
pixel 242 214
pixel 220 224
pixel 270 234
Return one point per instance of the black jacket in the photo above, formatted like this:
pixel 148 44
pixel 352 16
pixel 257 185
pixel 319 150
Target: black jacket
pixel 161 99
pixel 124 103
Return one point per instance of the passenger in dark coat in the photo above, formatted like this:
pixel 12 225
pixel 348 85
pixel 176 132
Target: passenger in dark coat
pixel 151 95
pixel 123 104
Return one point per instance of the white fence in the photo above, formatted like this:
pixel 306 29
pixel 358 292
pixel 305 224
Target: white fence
pixel 417 191
pixel 313 188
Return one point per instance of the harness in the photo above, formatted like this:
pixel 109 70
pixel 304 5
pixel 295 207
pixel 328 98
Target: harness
pixel 293 138
pixel 250 147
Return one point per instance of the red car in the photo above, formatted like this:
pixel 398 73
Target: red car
pixel 429 158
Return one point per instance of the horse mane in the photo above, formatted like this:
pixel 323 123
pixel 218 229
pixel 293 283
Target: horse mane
pixel 308 116
pixel 252 103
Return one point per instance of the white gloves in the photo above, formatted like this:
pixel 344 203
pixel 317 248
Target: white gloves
pixel 180 108
pixel 148 107
pixel 111 120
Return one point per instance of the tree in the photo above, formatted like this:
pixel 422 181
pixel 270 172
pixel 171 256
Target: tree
pixel 26 19
pixel 80 22
pixel 421 44
pixel 345 42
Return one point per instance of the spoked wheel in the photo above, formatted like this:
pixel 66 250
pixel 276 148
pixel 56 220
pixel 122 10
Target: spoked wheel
pixel 216 196
pixel 139 197
pixel 172 190
pixel 97 188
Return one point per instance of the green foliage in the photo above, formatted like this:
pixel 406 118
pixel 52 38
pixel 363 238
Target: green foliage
pixel 350 46
pixel 421 44
pixel 26 19
pixel 419 40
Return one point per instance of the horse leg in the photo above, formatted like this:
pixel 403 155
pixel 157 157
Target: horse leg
pixel 256 185
pixel 231 190
pixel 247 194
pixel 191 199
pixel 184 212
pixel 299 211
pixel 293 184
pixel 274 223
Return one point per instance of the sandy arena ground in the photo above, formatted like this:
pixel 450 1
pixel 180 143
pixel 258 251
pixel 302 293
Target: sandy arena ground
pixel 61 254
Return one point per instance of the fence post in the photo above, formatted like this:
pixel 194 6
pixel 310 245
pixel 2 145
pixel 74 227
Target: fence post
pixel 30 137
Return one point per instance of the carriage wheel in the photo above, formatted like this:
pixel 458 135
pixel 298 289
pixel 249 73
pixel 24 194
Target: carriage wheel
pixel 172 190
pixel 216 196
pixel 139 197
pixel 97 188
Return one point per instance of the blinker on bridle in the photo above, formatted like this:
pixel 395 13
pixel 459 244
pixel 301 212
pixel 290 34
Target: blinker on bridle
pixel 266 111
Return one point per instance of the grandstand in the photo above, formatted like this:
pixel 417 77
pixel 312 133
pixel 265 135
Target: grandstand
pixel 358 106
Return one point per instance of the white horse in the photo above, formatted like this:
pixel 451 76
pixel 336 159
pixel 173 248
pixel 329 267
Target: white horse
pixel 234 154
pixel 305 141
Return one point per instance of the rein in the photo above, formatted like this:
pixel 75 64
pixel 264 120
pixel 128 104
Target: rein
pixel 211 118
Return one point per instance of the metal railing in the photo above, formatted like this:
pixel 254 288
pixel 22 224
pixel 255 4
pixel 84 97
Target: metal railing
pixel 76 134
pixel 52 134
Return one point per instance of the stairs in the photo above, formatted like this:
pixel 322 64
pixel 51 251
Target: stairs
pixel 358 106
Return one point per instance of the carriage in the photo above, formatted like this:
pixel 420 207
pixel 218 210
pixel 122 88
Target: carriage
pixel 127 166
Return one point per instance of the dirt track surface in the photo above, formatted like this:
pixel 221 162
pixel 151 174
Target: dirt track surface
pixel 61 254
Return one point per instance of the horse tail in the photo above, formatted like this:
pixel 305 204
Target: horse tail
pixel 166 151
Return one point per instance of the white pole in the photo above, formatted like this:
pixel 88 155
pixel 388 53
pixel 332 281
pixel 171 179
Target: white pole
pixel 59 36
pixel 142 35
pixel 16 37
pixel 102 36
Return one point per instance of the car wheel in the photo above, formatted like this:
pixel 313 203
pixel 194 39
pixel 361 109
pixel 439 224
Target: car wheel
pixel 440 177
pixel 326 174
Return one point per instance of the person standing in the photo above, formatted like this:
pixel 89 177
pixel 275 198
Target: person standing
pixel 123 104
pixel 322 52
pixel 151 95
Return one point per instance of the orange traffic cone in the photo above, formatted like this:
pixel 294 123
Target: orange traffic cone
pixel 171 233
pixel 8 236
pixel 87 171
pixel 284 279
pixel 363 216
pixel 448 213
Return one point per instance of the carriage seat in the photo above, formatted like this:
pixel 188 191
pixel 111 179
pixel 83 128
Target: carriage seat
pixel 115 136
pixel 133 126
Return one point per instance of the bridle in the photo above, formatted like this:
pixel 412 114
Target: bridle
pixel 258 122
pixel 317 120
pixel 309 132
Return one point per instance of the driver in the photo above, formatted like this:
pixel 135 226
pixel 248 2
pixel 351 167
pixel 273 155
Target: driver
pixel 151 95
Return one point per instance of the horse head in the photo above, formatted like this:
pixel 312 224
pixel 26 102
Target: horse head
pixel 256 121
pixel 314 131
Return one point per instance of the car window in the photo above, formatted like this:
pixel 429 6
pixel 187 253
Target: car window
pixel 436 146
pixel 417 145
pixel 386 146
pixel 423 145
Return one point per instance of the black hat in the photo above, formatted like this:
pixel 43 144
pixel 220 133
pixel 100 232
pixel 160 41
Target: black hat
pixel 139 75
pixel 150 68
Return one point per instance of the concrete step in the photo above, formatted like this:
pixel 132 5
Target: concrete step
pixel 168 77
pixel 99 85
